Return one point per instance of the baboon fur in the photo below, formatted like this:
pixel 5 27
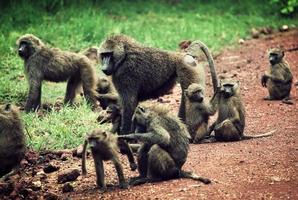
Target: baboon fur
pixel 140 73
pixel 107 95
pixel 92 54
pixel 12 139
pixel 278 79
pixel 103 147
pixel 52 64
pixel 198 111
pixel 165 144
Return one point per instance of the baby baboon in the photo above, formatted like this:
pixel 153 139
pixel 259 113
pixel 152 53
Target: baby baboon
pixel 92 54
pixel 107 94
pixel 103 147
pixel 52 64
pixel 165 146
pixel 113 115
pixel 12 140
pixel 140 72
pixel 230 123
pixel 278 79
pixel 198 111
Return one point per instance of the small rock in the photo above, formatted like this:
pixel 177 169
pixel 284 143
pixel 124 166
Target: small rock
pixel 254 33
pixel 68 175
pixel 64 157
pixel 51 196
pixel 49 168
pixel 36 185
pixel 276 178
pixel 284 28
pixel 241 41
pixel 224 71
pixel 67 187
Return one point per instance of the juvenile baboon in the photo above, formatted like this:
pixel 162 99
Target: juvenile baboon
pixel 113 115
pixel 52 64
pixel 12 140
pixel 103 147
pixel 92 54
pixel 139 73
pixel 198 111
pixel 230 123
pixel 165 146
pixel 107 94
pixel 278 79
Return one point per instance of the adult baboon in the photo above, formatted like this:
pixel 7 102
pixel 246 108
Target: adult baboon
pixel 103 147
pixel 230 123
pixel 278 79
pixel 198 111
pixel 165 146
pixel 107 94
pixel 52 64
pixel 12 140
pixel 140 72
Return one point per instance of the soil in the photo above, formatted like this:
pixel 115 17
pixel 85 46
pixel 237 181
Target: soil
pixel 264 168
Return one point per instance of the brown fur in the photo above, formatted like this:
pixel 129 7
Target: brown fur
pixel 165 146
pixel 140 73
pixel 107 94
pixel 92 54
pixel 198 111
pixel 278 79
pixel 103 147
pixel 52 64
pixel 12 139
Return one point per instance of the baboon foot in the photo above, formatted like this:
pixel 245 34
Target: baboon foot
pixel 288 100
pixel 102 189
pixel 124 185
pixel 268 98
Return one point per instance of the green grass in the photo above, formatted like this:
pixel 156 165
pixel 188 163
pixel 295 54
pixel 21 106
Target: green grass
pixel 74 25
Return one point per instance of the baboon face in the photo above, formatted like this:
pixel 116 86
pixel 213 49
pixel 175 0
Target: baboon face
pixel 111 54
pixel 95 137
pixel 27 45
pixel 275 56
pixel 229 89
pixel 112 111
pixel 142 116
pixel 195 93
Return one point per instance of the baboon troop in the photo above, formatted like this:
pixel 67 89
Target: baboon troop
pixel 278 79
pixel 52 64
pixel 165 146
pixel 12 140
pixel 103 147
pixel 198 110
pixel 140 73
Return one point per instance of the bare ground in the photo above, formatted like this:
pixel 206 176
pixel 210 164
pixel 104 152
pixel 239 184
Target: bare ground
pixel 265 168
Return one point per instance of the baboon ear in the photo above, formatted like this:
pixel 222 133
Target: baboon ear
pixel 7 107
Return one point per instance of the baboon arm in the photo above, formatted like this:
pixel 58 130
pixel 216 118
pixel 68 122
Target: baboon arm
pixel 34 95
pixel 213 106
pixel 109 96
pixel 115 127
pixel 149 137
pixel 84 170
pixel 119 171
pixel 211 128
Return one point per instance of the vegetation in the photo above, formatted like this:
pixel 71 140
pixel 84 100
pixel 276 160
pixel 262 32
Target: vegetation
pixel 74 25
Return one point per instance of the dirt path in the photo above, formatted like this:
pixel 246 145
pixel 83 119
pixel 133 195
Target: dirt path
pixel 265 168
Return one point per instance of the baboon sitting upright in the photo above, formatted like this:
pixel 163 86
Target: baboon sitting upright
pixel 165 146
pixel 12 140
pixel 52 64
pixel 107 94
pixel 140 73
pixel 103 147
pixel 278 79
pixel 198 111
pixel 230 123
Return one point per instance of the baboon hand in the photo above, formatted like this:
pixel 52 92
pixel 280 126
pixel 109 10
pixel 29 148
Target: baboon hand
pixel 264 80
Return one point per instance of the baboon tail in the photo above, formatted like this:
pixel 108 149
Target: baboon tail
pixel 191 175
pixel 246 137
pixel 193 48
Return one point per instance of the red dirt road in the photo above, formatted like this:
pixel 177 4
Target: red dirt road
pixel 264 168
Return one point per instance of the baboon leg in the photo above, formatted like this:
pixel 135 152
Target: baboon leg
pixel 72 85
pixel 226 131
pixel 181 113
pixel 125 149
pixel 211 128
pixel 88 83
pixel 34 96
pixel 119 169
pixel 201 133
pixel 129 104
pixel 100 179
pixel 143 160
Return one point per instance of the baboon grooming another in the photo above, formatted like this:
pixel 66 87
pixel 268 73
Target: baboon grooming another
pixel 230 123
pixel 165 146
pixel 140 72
pixel 198 110
pixel 12 140
pixel 52 64
pixel 278 79
pixel 103 147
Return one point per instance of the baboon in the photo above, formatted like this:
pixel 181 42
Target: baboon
pixel 92 54
pixel 107 94
pixel 52 64
pixel 230 123
pixel 278 79
pixel 103 147
pixel 165 146
pixel 198 111
pixel 139 73
pixel 12 140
